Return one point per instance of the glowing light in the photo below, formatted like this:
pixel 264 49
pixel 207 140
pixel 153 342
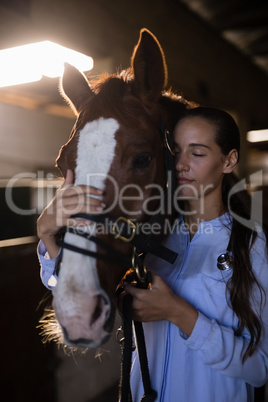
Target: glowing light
pixel 31 62
pixel 257 135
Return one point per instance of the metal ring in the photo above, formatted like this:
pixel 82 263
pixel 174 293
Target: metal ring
pixel 120 338
pixel 133 259
pixel 136 267
pixel 137 270
pixel 166 133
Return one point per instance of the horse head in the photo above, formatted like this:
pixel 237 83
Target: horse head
pixel 116 145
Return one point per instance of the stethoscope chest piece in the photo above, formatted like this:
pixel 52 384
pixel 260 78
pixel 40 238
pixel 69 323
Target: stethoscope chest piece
pixel 225 261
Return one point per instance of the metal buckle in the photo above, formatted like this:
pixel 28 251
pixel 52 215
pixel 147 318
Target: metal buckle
pixel 166 133
pixel 117 235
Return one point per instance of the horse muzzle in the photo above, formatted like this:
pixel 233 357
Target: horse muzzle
pixel 81 306
pixel 85 327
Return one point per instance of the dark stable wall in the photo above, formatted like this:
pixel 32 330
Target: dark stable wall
pixel 27 365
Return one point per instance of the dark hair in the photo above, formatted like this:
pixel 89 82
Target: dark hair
pixel 242 238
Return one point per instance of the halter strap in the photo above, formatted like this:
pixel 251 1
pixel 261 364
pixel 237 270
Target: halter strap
pixel 113 256
pixel 125 230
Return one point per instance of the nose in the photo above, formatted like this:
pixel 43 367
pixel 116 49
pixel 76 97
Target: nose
pixel 182 162
pixel 87 328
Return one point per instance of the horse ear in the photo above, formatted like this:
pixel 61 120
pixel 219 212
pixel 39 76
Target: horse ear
pixel 149 66
pixel 74 88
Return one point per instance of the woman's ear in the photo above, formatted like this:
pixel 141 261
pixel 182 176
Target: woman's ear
pixel 230 161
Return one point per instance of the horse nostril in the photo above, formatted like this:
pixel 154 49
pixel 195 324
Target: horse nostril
pixel 96 315
pixel 98 310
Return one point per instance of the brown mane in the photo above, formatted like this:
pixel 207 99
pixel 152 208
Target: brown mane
pixel 117 98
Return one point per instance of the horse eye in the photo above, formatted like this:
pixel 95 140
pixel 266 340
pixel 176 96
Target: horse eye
pixel 142 161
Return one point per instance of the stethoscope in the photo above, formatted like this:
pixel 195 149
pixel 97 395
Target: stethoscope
pixel 225 261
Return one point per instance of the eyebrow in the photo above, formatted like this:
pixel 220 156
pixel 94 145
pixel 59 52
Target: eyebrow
pixel 199 145
pixel 193 144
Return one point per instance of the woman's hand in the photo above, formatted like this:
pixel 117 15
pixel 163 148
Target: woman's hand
pixel 159 303
pixel 68 200
pixel 151 304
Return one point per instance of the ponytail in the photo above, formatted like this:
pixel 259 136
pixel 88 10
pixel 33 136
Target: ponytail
pixel 240 284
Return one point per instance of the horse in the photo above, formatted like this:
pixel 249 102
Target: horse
pixel 122 125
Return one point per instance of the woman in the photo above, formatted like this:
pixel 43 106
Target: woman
pixel 205 327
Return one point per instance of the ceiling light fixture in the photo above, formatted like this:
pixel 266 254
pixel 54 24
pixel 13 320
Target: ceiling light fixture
pixel 257 135
pixel 29 63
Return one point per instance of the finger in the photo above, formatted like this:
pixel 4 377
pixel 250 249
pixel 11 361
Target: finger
pixel 131 289
pixel 93 190
pixel 84 208
pixel 78 223
pixel 88 190
pixel 70 190
pixel 66 215
pixel 157 281
pixel 81 204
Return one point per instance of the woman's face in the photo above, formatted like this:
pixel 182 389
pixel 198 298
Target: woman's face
pixel 199 162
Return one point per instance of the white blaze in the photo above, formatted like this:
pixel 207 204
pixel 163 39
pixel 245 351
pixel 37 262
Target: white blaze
pixel 95 152
pixel 78 274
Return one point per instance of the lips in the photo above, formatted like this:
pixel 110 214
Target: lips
pixel 184 181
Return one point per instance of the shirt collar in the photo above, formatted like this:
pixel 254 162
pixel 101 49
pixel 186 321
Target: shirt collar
pixel 218 223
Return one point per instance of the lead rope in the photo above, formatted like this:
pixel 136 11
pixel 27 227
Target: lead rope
pixel 126 345
pixel 150 395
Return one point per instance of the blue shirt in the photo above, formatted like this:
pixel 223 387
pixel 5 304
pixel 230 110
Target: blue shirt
pixel 48 265
pixel 207 366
